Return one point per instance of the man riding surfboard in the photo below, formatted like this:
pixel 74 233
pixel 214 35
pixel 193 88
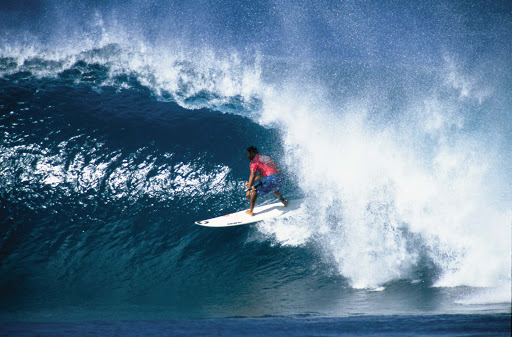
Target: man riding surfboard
pixel 265 177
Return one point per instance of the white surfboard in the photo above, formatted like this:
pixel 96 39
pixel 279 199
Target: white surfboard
pixel 260 213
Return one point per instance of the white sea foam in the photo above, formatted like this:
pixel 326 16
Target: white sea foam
pixel 492 295
pixel 373 186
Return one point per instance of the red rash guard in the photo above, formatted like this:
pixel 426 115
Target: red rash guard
pixel 263 164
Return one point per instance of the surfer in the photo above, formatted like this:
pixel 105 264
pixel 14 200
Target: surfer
pixel 265 177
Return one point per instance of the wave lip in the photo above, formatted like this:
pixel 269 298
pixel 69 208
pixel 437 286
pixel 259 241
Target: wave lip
pixel 194 80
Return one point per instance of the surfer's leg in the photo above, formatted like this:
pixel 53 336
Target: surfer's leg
pixel 276 183
pixel 254 195
pixel 281 198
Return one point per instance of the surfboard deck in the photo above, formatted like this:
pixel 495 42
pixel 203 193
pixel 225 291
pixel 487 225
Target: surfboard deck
pixel 260 213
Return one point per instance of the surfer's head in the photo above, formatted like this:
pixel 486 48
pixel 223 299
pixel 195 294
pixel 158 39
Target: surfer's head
pixel 252 151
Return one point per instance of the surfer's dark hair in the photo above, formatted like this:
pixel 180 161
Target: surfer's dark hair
pixel 252 149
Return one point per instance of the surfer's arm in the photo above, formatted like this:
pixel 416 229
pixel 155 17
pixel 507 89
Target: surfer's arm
pixel 251 180
pixel 248 186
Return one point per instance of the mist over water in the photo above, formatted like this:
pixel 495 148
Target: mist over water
pixel 129 120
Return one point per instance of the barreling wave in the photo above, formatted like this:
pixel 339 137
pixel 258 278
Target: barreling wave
pixel 100 189
pixel 111 149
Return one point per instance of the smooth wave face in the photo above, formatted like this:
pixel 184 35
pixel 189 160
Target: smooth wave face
pixel 119 131
pixel 102 197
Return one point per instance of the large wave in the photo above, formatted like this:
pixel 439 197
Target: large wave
pixel 403 157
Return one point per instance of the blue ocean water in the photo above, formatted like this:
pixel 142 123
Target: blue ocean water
pixel 123 123
pixel 438 325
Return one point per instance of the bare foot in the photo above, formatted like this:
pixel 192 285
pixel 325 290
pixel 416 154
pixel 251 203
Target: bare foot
pixel 249 212
pixel 285 203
